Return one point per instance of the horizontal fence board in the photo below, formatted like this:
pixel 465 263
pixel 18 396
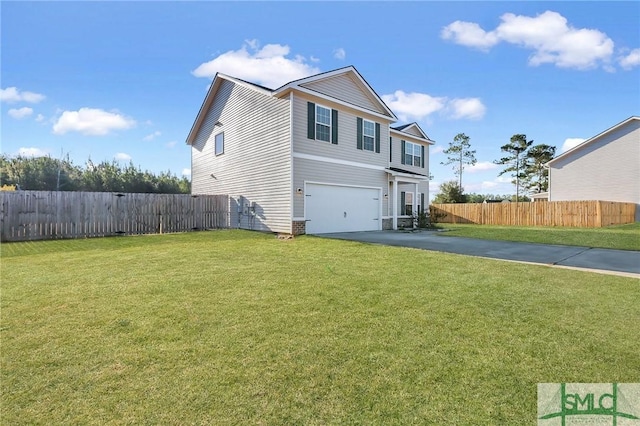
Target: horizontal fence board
pixel 43 215
pixel 580 214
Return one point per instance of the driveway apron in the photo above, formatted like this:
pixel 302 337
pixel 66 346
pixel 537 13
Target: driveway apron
pixel 624 261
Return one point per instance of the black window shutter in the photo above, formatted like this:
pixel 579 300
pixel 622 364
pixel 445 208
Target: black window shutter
pixel 403 207
pixel 378 138
pixel 390 149
pixel 311 120
pixel 334 126
pixel 359 132
pixel 422 202
pixel 402 151
pixel 422 156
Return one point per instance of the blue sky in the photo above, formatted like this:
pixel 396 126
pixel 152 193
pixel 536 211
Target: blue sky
pixel 125 80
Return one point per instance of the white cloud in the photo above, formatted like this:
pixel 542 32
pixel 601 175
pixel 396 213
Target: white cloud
pixel 631 60
pixel 469 34
pixel 186 172
pixel 339 53
pixel 171 144
pixel 152 136
pixel 548 35
pixel 91 122
pixel 13 94
pixel 413 105
pixel 32 152
pixel 19 113
pixel 121 156
pixel 471 108
pixel 437 149
pixel 268 66
pixel 40 118
pixel 570 143
pixel 481 166
pixel 417 106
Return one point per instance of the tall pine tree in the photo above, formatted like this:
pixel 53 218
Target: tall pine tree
pixel 515 160
pixel 459 154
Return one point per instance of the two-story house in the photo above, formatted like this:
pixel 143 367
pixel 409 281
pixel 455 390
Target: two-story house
pixel 316 155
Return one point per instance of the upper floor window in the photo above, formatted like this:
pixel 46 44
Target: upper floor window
pixel 369 135
pixel 413 154
pixel 323 123
pixel 219 143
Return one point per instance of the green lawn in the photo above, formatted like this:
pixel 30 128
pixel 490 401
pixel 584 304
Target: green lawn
pixel 622 237
pixel 234 327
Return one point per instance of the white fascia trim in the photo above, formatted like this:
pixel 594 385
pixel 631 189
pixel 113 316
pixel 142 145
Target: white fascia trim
pixel 310 92
pixel 312 78
pixel 406 177
pixel 590 140
pixel 246 84
pixel 336 161
pixel 298 219
pixel 410 136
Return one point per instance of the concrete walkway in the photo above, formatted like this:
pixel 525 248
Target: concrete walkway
pixel 618 262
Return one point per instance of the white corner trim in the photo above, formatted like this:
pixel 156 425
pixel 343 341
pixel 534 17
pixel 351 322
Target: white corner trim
pixel 337 161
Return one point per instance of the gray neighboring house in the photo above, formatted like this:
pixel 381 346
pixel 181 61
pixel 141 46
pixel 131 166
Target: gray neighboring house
pixel 315 155
pixel 605 167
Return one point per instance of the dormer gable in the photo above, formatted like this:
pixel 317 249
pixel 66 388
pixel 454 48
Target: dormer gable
pixel 412 129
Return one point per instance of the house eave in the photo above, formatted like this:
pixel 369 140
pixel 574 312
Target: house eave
pixel 406 174
pixel 298 85
pixel 591 140
pixel 349 105
pixel 213 89
pixel 409 135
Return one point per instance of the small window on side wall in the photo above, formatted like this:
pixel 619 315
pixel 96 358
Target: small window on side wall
pixel 220 143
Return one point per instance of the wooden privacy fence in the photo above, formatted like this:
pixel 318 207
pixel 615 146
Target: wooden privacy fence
pixel 582 214
pixel 43 215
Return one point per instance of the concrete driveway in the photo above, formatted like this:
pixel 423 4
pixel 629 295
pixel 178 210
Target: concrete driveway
pixel 619 262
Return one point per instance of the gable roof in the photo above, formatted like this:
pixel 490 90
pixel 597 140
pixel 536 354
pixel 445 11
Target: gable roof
pixel 208 100
pixel 413 130
pixel 303 85
pixel 593 139
pixel 298 85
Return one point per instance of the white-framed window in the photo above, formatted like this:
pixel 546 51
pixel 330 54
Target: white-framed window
pixel 408 203
pixel 368 135
pixel 219 143
pixel 323 123
pixel 407 208
pixel 413 154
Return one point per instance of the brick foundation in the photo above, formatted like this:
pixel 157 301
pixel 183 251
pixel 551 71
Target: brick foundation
pixel 298 227
pixel 403 223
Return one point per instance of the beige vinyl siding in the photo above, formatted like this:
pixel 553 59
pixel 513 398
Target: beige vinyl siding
pixel 413 131
pixel 605 169
pixel 346 149
pixel 346 88
pixel 339 174
pixel 256 163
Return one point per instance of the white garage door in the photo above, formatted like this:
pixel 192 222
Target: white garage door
pixel 331 208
